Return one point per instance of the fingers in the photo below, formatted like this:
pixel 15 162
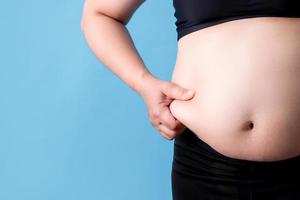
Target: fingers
pixel 166 132
pixel 169 133
pixel 167 119
pixel 167 125
pixel 159 110
pixel 175 91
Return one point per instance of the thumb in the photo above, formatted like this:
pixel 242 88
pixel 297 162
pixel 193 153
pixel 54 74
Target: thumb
pixel 175 91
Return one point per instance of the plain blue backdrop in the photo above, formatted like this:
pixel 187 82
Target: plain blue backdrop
pixel 69 128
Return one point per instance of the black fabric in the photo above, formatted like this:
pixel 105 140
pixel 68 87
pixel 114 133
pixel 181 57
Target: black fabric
pixel 199 172
pixel 192 15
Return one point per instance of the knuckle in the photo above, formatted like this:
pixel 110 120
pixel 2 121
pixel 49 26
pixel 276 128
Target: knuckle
pixel 154 112
pixel 150 116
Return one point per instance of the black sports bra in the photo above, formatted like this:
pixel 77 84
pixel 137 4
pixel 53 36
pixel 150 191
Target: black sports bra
pixel 192 15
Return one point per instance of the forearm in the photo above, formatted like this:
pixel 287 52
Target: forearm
pixel 111 42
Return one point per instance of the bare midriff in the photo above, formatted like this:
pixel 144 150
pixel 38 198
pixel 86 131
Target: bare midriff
pixel 246 74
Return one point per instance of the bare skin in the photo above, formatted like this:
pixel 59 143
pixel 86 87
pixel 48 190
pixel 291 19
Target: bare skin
pixel 104 26
pixel 245 74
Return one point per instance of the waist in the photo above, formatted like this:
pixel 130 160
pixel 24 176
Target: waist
pixel 243 71
pixel 193 156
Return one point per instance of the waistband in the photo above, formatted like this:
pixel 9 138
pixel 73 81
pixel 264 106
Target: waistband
pixel 190 148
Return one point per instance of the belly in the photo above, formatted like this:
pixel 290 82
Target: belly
pixel 246 74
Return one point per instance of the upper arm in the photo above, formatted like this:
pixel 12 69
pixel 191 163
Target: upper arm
pixel 120 10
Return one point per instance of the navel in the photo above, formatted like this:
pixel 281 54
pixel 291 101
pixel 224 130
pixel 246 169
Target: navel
pixel 249 125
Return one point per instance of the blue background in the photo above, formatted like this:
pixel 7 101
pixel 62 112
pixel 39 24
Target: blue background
pixel 69 128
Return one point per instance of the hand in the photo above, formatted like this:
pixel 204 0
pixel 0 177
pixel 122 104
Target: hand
pixel 158 95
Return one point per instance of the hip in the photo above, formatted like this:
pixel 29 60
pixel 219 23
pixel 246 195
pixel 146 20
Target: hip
pixel 200 172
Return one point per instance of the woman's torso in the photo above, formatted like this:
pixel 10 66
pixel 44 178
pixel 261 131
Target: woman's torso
pixel 243 71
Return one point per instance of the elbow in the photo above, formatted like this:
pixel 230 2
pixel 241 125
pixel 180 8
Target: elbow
pixel 85 21
pixel 119 19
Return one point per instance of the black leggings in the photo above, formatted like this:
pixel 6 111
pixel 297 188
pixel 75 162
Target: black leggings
pixel 201 173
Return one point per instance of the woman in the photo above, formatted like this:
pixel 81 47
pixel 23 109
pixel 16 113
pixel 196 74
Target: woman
pixel 237 134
